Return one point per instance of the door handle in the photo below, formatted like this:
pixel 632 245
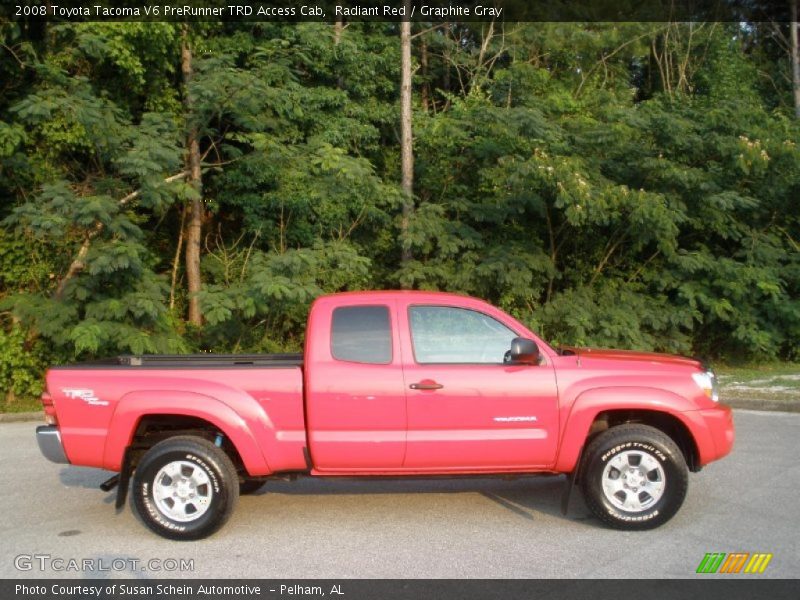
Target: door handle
pixel 426 384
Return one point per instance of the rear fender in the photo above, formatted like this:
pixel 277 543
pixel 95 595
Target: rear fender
pixel 594 401
pixel 134 406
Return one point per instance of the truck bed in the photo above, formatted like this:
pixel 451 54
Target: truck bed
pixel 101 404
pixel 189 361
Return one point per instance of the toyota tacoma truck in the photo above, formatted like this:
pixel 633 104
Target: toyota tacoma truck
pixel 394 383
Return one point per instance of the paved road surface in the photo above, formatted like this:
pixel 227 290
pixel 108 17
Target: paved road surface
pixel 415 528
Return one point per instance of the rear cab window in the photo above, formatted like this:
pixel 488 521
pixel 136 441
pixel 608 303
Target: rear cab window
pixel 362 334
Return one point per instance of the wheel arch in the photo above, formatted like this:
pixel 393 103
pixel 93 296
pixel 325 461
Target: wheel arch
pixel 142 414
pixel 154 428
pixel 598 409
pixel 665 422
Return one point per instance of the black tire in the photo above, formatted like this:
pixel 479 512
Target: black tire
pixel 217 494
pixel 250 486
pixel 633 507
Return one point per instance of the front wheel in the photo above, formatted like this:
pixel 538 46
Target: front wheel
pixel 185 488
pixel 634 477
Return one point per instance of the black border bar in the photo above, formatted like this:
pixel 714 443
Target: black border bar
pixel 732 588
pixel 427 11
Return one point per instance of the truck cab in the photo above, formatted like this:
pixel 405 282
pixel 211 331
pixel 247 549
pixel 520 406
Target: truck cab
pixel 421 382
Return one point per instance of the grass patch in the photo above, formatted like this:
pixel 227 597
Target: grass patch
pixel 780 381
pixel 19 405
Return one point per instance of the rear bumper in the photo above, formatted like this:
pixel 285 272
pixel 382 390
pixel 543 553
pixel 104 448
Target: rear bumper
pixel 49 440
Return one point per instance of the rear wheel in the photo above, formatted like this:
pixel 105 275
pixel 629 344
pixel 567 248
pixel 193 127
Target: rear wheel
pixel 634 477
pixel 185 488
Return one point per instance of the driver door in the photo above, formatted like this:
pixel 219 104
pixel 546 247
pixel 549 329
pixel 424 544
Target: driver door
pixel 467 410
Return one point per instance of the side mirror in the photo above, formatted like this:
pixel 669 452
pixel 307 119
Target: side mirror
pixel 524 351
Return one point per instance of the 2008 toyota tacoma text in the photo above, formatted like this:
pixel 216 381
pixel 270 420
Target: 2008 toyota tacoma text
pixel 389 384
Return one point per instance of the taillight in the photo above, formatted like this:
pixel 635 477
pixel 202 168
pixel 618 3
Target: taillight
pixel 49 409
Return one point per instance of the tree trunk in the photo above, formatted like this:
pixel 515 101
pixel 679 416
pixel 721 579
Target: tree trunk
pixel 194 222
pixel 446 59
pixel 338 28
pixel 423 63
pixel 406 139
pixel 793 36
pixel 177 261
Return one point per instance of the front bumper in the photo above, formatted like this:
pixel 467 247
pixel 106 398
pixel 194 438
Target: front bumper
pixel 719 424
pixel 49 439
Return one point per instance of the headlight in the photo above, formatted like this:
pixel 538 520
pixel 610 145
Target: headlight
pixel 707 381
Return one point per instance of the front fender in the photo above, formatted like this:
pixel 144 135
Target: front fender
pixel 133 406
pixel 592 402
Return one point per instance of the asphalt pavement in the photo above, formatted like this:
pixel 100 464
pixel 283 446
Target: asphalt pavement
pixel 57 523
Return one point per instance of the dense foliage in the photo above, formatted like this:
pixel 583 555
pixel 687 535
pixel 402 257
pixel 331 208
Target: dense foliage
pixel 630 185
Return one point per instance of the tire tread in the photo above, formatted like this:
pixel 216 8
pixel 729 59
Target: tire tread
pixel 618 434
pixel 206 449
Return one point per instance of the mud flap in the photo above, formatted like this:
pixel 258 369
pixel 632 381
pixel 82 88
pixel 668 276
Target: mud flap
pixel 124 480
pixel 572 478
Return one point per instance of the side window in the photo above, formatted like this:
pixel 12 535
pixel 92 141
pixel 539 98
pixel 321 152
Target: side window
pixel 362 334
pixel 442 334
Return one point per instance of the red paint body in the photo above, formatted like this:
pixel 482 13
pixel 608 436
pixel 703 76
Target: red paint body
pixel 365 419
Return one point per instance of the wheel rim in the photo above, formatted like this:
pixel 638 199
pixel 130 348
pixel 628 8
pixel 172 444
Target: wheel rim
pixel 182 491
pixel 633 481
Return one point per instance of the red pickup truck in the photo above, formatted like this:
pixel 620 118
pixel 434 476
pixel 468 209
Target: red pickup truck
pixel 389 384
